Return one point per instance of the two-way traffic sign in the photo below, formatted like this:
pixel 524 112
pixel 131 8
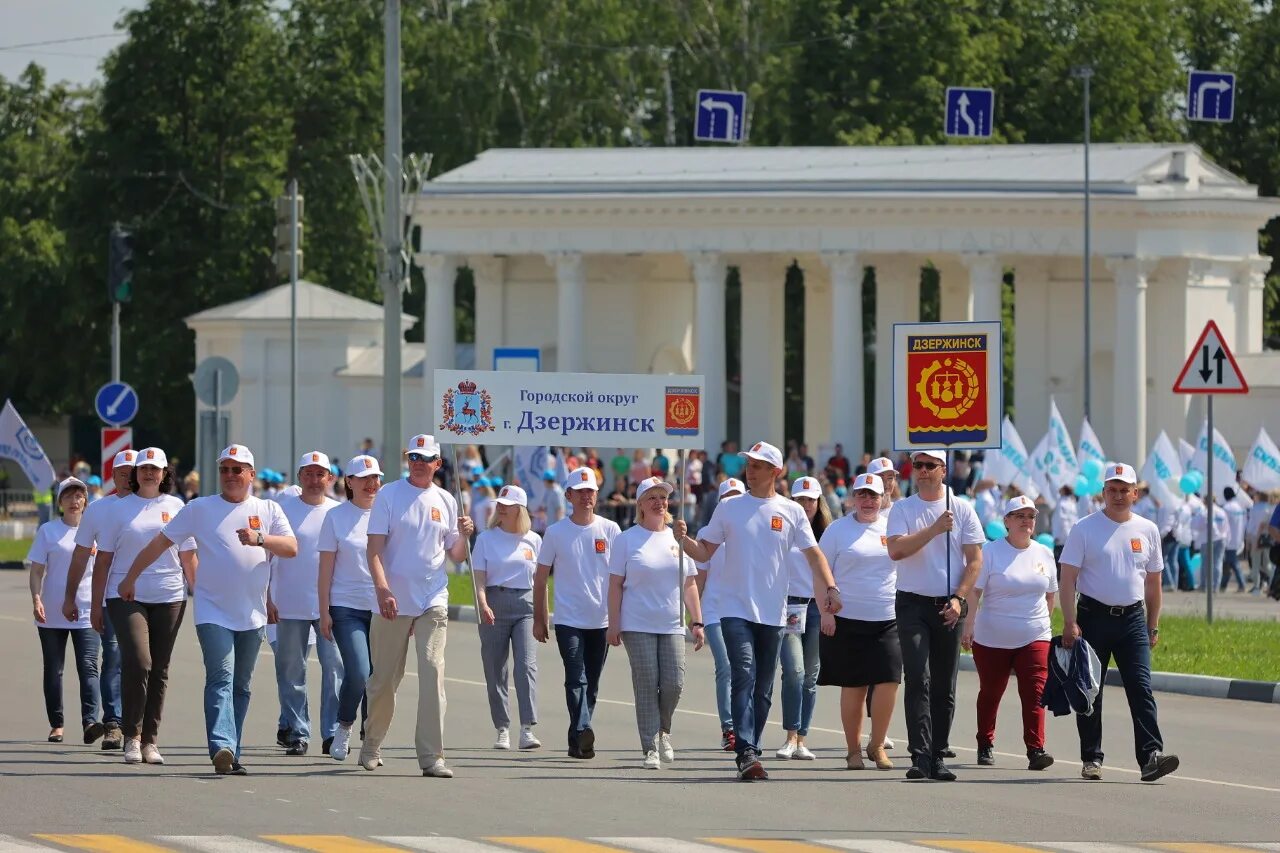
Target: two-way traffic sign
pixel 719 116
pixel 1211 368
pixel 1211 96
pixel 969 112
pixel 116 403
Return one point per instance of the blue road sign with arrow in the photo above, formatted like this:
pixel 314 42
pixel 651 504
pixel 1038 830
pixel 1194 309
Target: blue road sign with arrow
pixel 1211 96
pixel 719 116
pixel 969 112
pixel 116 403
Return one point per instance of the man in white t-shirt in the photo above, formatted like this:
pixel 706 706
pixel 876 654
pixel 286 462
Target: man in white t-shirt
pixel 294 602
pixel 1237 513
pixel 936 542
pixel 1114 559
pixel 758 530
pixel 577 548
pixel 236 534
pixel 729 489
pixel 413 526
pixel 1065 515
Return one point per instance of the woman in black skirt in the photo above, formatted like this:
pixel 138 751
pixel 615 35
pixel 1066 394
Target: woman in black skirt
pixel 859 648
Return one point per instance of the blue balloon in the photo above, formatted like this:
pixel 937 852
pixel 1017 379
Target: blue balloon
pixel 996 529
pixel 1091 468
pixel 1199 475
pixel 1194 563
pixel 1095 485
pixel 95 480
pixel 1045 539
pixel 1187 483
pixel 1083 486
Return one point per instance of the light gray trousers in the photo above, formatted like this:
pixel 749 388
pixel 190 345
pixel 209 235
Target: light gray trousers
pixel 510 638
pixel 657 679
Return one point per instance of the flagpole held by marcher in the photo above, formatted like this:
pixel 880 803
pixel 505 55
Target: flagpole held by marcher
pixel 457 494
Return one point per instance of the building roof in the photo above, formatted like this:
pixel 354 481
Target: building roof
pixel 1121 169
pixel 315 302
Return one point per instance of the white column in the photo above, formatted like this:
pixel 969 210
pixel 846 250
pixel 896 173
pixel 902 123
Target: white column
pixel 571 281
pixel 490 274
pixel 1250 282
pixel 709 344
pixel 1033 377
pixel 897 301
pixel 986 281
pixel 1129 382
pixel 846 397
pixel 763 288
pixel 440 272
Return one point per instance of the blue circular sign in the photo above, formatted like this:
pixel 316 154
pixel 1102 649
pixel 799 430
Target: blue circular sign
pixel 116 403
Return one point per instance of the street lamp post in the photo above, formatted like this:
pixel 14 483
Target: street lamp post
pixel 1085 74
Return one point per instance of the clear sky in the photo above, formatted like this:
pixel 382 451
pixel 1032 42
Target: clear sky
pixel 26 21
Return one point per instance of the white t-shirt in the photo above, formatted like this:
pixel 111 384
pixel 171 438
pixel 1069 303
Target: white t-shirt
pixel 1200 524
pixel 1013 611
pixel 1146 507
pixel 757 533
pixel 648 561
pixel 294 579
pixel 799 575
pixel 987 505
pixel 859 557
pixel 420 526
pixel 91 522
pixel 231 584
pixel 1114 558
pixel 345 533
pixel 1065 516
pixel 507 559
pixel 580 557
pixel 1236 516
pixel 52 547
pixel 131 526
pixel 925 571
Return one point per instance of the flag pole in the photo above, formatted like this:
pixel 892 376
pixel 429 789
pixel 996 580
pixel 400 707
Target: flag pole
pixel 946 485
pixel 680 482
pixel 457 494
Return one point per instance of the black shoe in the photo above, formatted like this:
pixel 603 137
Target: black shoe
pixel 282 737
pixel 921 767
pixel 1038 759
pixel 297 747
pixel 941 772
pixel 1158 765
pixel 113 738
pixel 237 769
pixel 587 743
pixel 749 768
pixel 947 752
pixel 93 731
pixel 324 747
pixel 55 738
pixel 987 756
pixel 574 752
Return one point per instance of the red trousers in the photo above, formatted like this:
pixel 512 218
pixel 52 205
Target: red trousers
pixel 1031 665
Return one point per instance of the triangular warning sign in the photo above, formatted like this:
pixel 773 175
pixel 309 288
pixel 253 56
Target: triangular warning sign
pixel 1211 368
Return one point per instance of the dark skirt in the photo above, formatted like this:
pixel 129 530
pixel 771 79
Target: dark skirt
pixel 860 654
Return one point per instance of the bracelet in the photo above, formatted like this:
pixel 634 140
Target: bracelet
pixel 696 625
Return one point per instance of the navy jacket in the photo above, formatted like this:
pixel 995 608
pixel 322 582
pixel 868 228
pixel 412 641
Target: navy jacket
pixel 1075 676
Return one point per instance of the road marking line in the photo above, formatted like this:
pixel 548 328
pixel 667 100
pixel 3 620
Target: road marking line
pixel 329 843
pixel 769 845
pixel 440 844
pixel 871 845
pixel 968 846
pixel 551 844
pixel 660 845
pixel 219 844
pixel 9 844
pixel 1088 846
pixel 103 843
pixel 1260 845
pixel 1194 847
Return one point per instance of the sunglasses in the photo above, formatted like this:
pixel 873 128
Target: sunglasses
pixel 1023 516
pixel 233 470
pixel 421 457
pixel 926 466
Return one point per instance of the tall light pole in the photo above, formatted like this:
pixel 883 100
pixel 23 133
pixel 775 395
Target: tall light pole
pixel 393 266
pixel 1085 74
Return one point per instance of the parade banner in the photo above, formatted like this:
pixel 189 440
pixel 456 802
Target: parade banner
pixel 1011 463
pixel 1224 461
pixel 1185 452
pixel 1262 468
pixel 1043 465
pixel 1066 466
pixel 567 409
pixel 1090 446
pixel 19 444
pixel 948 389
pixel 1162 470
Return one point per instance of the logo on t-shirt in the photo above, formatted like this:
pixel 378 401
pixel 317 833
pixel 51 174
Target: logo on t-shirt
pixel 435 514
pixel 1135 545
pixel 527 553
pixel 255 523
pixel 164 517
pixel 601 546
pixel 93 552
pixel 884 540
pixel 776 523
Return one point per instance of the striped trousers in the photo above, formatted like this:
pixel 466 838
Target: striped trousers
pixel 657 679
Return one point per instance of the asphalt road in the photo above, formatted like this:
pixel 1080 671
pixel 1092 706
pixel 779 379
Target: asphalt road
pixel 1226 791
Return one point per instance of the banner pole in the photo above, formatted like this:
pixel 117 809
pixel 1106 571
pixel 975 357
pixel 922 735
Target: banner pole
pixel 681 482
pixel 946 485
pixel 457 494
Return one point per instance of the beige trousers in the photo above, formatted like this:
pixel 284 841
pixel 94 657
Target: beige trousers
pixel 388 651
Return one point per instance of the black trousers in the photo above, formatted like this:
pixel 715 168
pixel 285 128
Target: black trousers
pixel 930 660
pixel 1124 638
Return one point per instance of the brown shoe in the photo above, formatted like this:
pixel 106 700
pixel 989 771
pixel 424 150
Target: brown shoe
pixel 879 756
pixel 853 761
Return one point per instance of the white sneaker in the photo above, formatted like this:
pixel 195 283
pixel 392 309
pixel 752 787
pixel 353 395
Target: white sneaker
pixel 651 761
pixel 371 762
pixel 151 755
pixel 528 740
pixel 802 753
pixel 888 744
pixel 341 745
pixel 503 740
pixel 665 749
pixel 133 751
pixel 787 750
pixel 439 770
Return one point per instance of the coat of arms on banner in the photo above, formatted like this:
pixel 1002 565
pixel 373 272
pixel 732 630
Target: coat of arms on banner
pixel 467 410
pixel 948 397
pixel 683 406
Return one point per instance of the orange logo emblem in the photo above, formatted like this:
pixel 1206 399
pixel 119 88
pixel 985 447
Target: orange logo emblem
pixel 601 546
pixel 584 476
pixel 505 489
pixel 776 523
pixel 255 523
pixel 164 517
pixel 315 457
pixel 151 454
pixel 422 442
pixel 884 540
pixel 435 514
pixel 1135 545
pixel 756 448
pixel 1119 469
pixel 232 451
pixel 368 463
pixel 128 456
pixel 528 553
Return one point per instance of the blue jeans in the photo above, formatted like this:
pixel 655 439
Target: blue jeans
pixel 1218 553
pixel 292 650
pixel 753 659
pixel 715 642
pixel 109 673
pixel 53 647
pixel 229 658
pixel 583 651
pixel 1231 567
pixel 1125 638
pixel 800 673
pixel 1171 548
pixel 351 633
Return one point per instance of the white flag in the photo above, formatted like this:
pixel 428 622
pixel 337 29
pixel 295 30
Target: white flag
pixel 1185 452
pixel 1011 463
pixel 1043 461
pixel 528 464
pixel 1224 461
pixel 1163 470
pixel 1262 468
pixel 1090 447
pixel 1067 467
pixel 18 443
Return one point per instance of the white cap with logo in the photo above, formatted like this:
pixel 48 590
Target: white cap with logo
pixel 152 456
pixel 1018 503
pixel 236 453
pixel 125 459
pixel 940 455
pixel 424 444
pixel 732 484
pixel 765 452
pixel 72 483
pixel 880 465
pixel 806 487
pixel 1122 472
pixel 512 496
pixel 582 478
pixel 315 457
pixel 867 483
pixel 363 466
pixel 653 483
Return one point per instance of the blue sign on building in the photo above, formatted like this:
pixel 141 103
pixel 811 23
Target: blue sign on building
pixel 720 116
pixel 1211 96
pixel 116 403
pixel 970 112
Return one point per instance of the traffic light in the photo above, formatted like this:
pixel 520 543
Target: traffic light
pixel 284 241
pixel 120 265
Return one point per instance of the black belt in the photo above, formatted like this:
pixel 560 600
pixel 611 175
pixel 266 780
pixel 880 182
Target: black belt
pixel 798 599
pixel 935 600
pixel 1109 609
pixel 509 588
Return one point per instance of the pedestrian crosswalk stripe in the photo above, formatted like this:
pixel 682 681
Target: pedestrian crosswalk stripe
pixel 552 844
pixel 872 845
pixel 768 845
pixel 9 844
pixel 331 843
pixel 103 843
pixel 964 845
pixel 660 845
pixel 1196 847
pixel 440 844
pixel 218 844
pixel 1089 847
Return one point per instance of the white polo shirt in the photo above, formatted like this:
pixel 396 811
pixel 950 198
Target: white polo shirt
pixel 52 548
pixel 129 527
pixel 293 579
pixel 858 554
pixel 580 557
pixel 925 571
pixel 231 583
pixel 648 561
pixel 507 559
pixel 420 526
pixel 757 533
pixel 345 534
pixel 1114 558
pixel 1013 611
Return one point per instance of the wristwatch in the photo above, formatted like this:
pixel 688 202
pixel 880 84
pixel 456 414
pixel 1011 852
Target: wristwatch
pixel 261 539
pixel 964 604
pixel 696 625
pixel 834 589
pixel 1153 631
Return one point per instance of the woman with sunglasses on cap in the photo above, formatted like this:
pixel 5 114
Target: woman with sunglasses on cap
pixel 800 641
pixel 347 597
pixel 708 585
pixel 860 648
pixel 645 587
pixel 503 561
pixel 50 557
pixel 146 603
pixel 1016 587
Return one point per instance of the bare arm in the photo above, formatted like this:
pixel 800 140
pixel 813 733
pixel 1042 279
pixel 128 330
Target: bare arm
pixel 966 636
pixel 694 605
pixel 190 563
pixel 614 634
pixel 36 581
pixel 386 601
pixel 540 611
pixel 281 546
pixel 905 544
pixel 1067 595
pixel 823 579
pixel 79 562
pixel 482 600
pixel 1153 593
pixel 324 581
pixel 972 566
pixel 458 553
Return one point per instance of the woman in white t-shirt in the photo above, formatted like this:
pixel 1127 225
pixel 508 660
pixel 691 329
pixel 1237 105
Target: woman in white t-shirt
pixel 859 648
pixel 503 560
pixel 146 604
pixel 50 557
pixel 347 597
pixel 645 587
pixel 1016 587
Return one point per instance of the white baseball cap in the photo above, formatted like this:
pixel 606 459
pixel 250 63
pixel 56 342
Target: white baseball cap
pixel 867 482
pixel 238 453
pixel 1020 502
pixel 73 483
pixel 653 483
pixel 765 452
pixel 125 459
pixel 315 457
pixel 424 444
pixel 582 478
pixel 806 487
pixel 732 484
pixel 512 496
pixel 880 465
pixel 152 456
pixel 1120 471
pixel 940 455
pixel 363 466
